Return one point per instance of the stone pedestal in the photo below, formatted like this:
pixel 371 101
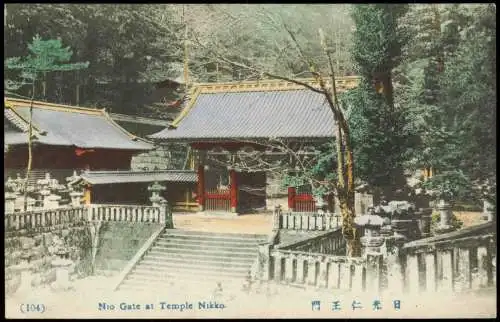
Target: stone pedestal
pixel 52 201
pixel 30 204
pixel 19 203
pixel 156 201
pixel 62 265
pixel 45 193
pixel 425 222
pixel 76 198
pixel 166 214
pixel 24 269
pixel 445 213
pixel 10 199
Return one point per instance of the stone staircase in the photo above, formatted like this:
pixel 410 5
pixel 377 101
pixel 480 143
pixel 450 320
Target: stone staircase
pixel 180 257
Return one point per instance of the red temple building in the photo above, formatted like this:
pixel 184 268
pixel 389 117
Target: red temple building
pixel 227 120
pixel 66 138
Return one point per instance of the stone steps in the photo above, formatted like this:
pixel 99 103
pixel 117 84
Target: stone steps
pixel 166 244
pixel 190 257
pixel 169 251
pixel 177 258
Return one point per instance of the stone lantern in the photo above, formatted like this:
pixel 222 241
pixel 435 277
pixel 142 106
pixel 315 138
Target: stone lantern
pixel 10 199
pixel 62 265
pixel 403 220
pixel 425 222
pixel 320 204
pixel 155 189
pixel 71 179
pixel 445 214
pixel 386 229
pixel 10 184
pixel 45 182
pixel 372 248
pixel 30 202
pixel 19 182
pixel 24 267
pixel 371 241
pixel 76 198
pixel 45 193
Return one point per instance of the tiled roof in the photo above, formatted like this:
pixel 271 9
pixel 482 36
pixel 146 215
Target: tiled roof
pixel 15 138
pixel 55 124
pixel 254 110
pixel 108 177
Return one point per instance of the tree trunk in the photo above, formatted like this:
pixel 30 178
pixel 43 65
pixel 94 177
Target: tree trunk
pixel 44 86
pixel 349 231
pixel 30 153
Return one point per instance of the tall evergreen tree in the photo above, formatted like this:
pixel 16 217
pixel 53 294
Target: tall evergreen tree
pixel 380 136
pixel 46 56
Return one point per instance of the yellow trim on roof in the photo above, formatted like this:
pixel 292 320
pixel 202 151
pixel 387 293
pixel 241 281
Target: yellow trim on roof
pixel 35 127
pixel 185 110
pixel 341 83
pixel 15 102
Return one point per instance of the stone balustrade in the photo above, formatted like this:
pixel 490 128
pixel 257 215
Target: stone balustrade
pixel 43 218
pixel 463 260
pixel 450 265
pixel 317 270
pixel 306 221
pixel 50 218
pixel 330 242
pixel 131 213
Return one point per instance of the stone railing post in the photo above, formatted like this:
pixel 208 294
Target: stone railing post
pixel 264 259
pixel 488 211
pixel 446 214
pixel 166 214
pixel 276 217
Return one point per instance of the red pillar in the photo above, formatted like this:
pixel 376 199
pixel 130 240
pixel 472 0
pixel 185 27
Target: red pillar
pixel 233 177
pixel 291 198
pixel 201 187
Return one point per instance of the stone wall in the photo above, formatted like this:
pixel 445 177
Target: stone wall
pixel 40 245
pixel 162 158
pixel 158 159
pixel 118 243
